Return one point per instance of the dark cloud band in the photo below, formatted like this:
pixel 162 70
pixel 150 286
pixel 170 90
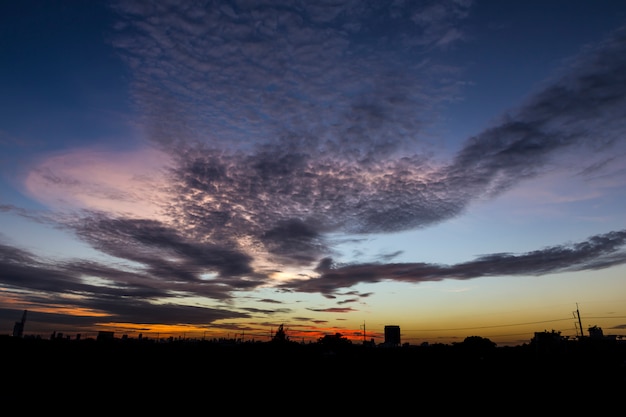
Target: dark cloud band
pixel 601 251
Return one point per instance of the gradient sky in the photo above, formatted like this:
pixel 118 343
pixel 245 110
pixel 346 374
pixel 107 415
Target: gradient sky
pixel 217 169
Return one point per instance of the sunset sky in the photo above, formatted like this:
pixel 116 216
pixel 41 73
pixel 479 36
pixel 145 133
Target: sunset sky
pixel 217 169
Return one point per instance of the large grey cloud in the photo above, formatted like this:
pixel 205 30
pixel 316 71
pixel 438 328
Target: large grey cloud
pixel 294 180
pixel 294 112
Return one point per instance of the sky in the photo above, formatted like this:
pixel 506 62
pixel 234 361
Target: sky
pixel 216 169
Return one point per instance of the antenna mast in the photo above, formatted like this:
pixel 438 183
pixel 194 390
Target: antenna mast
pixel 363 331
pixel 18 328
pixel 580 324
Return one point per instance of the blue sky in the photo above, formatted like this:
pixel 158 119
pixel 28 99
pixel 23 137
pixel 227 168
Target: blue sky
pixel 456 168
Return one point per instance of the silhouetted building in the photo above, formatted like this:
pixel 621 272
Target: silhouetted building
pixel 549 342
pixel 596 333
pixel 392 335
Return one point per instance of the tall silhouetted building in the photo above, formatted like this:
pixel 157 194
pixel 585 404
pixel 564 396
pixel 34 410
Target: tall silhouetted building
pixel 392 335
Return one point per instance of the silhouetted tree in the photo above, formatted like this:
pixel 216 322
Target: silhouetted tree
pixel 478 342
pixel 334 340
pixel 476 346
pixel 280 336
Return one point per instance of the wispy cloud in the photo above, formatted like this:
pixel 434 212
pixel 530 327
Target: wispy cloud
pixel 162 250
pixel 597 252
pixel 129 183
pixel 583 110
pixel 118 295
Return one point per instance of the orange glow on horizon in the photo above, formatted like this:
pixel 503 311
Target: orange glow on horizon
pixel 163 331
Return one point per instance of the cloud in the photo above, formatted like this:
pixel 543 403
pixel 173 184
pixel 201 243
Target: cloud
pixel 294 240
pixel 600 251
pixel 294 180
pixel 232 75
pixel 240 212
pixel 275 129
pixel 164 252
pixel 101 293
pixel 333 309
pixel 130 183
pixel 584 110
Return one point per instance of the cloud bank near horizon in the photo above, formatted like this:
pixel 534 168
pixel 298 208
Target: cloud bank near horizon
pixel 171 269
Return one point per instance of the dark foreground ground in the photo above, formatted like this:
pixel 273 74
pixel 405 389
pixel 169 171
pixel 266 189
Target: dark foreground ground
pixel 293 378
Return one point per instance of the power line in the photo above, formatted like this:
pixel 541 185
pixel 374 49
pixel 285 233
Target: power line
pixel 508 325
pixel 487 327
